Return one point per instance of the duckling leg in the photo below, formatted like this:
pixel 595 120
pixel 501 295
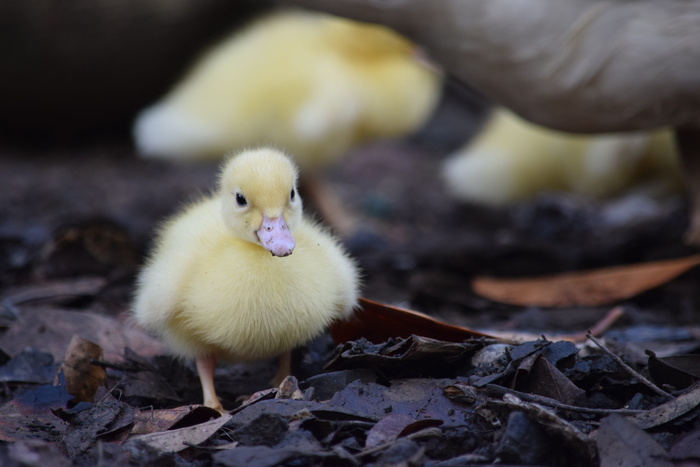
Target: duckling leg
pixel 688 142
pixel 205 370
pixel 284 369
pixel 326 202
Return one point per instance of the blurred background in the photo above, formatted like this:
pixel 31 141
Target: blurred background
pixel 82 196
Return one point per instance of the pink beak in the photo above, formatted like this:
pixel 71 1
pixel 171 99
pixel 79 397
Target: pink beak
pixel 275 236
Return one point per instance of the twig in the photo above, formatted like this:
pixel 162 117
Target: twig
pixel 542 400
pixel 629 369
pixel 104 396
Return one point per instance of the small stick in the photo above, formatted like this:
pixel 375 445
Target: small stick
pixel 629 369
pixel 549 402
pixel 104 396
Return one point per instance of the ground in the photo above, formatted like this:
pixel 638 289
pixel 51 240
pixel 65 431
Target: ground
pixel 77 219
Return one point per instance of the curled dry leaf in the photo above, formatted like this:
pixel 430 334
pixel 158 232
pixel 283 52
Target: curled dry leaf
pixel 668 411
pixel 413 356
pixel 586 288
pixel 153 421
pixel 82 376
pixel 179 439
pixel 377 322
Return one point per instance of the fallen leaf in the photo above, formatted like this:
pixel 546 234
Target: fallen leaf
pixel 687 448
pixel 555 425
pixel 387 429
pixel 30 413
pixel 151 421
pixel 267 429
pixel 668 411
pixel 107 420
pixel 83 377
pixel 524 442
pixel 293 409
pixel 393 426
pixel 29 366
pixel 377 322
pixel 419 398
pixel 679 371
pixel 328 383
pixel 622 444
pixel 265 456
pixel 413 356
pixel 585 288
pixel 544 379
pixel 177 440
pixel 142 381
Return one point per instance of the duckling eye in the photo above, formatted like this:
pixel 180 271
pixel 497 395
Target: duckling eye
pixel 240 199
pixel 292 194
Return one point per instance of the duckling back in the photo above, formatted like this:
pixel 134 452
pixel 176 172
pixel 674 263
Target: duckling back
pixel 312 84
pixel 511 160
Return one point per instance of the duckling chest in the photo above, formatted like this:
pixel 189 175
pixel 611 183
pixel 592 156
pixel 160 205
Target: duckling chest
pixel 236 297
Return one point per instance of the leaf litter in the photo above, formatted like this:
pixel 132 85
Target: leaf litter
pixel 471 381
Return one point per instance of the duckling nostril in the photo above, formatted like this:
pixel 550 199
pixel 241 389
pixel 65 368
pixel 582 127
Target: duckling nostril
pixel 275 237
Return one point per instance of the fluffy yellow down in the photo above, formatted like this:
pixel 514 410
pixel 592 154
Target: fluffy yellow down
pixel 210 289
pixel 512 159
pixel 310 83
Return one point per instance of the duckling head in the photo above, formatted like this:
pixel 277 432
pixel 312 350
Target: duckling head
pixel 260 200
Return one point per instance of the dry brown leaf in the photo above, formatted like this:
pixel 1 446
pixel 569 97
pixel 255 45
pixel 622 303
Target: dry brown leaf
pixel 82 377
pixel 586 288
pixel 177 440
pixel 152 421
pixel 378 322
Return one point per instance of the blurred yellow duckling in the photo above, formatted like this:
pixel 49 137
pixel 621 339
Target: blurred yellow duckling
pixel 511 160
pixel 310 83
pixel 241 275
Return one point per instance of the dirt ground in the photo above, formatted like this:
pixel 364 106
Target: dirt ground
pixel 76 220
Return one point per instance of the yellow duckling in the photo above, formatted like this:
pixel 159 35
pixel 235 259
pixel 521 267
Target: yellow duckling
pixel 241 275
pixel 512 160
pixel 311 83
pixel 308 82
